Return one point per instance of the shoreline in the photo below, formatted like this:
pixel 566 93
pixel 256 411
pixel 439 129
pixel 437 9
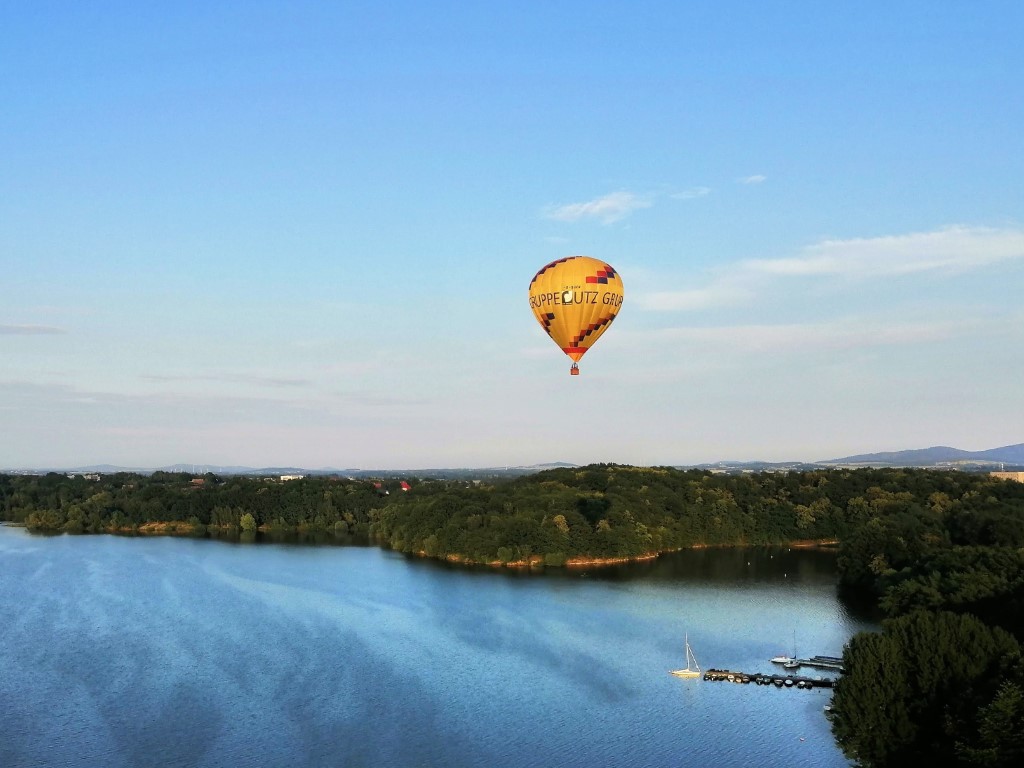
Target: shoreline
pixel 536 562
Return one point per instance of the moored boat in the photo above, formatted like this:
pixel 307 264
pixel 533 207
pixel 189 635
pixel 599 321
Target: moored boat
pixel 692 668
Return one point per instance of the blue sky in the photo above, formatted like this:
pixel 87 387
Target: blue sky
pixel 302 233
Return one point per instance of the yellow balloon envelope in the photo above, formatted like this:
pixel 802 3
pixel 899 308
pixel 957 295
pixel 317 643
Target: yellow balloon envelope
pixel 575 299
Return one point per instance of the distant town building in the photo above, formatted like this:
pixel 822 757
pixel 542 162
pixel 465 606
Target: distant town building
pixel 1017 476
pixel 290 477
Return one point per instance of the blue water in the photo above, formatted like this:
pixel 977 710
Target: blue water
pixel 179 652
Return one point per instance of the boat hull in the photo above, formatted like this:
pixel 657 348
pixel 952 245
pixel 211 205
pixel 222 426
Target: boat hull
pixel 685 673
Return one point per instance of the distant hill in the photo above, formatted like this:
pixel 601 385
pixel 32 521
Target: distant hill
pixel 202 469
pixel 935 456
pixel 1012 456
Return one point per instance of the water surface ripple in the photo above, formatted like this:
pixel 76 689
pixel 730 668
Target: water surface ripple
pixel 140 652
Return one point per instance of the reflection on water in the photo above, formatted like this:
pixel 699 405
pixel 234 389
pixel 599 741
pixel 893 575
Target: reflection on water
pixel 130 651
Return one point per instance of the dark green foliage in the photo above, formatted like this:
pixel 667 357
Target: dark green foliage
pixel 1000 737
pixel 593 508
pixel 888 520
pixel 987 582
pixel 928 689
pixel 603 511
pixel 125 501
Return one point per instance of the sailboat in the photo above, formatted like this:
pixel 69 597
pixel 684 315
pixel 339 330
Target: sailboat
pixel 692 668
pixel 789 662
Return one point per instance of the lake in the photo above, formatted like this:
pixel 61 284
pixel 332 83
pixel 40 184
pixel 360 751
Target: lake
pixel 121 651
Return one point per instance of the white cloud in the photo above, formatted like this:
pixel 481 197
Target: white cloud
pixel 841 334
pixel 29 330
pixel 755 179
pixel 691 193
pixel 955 249
pixel 721 293
pixel 268 381
pixel 607 209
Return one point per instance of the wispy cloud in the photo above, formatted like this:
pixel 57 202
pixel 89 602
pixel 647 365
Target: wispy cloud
pixel 755 179
pixel 377 400
pixel 608 209
pixel 955 249
pixel 266 381
pixel 691 194
pixel 839 334
pixel 30 330
pixel 718 294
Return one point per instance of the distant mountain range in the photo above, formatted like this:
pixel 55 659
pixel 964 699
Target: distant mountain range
pixel 940 456
pixel 1012 456
pixel 202 469
pixel 936 456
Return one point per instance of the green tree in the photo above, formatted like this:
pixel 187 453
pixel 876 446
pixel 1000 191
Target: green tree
pixel 248 522
pixel 1000 740
pixel 911 692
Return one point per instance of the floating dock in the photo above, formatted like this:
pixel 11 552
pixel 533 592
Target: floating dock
pixel 758 678
pixel 821 663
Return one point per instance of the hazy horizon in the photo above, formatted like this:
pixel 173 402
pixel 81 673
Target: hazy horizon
pixel 202 467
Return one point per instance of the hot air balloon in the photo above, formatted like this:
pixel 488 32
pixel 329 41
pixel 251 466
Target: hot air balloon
pixel 575 299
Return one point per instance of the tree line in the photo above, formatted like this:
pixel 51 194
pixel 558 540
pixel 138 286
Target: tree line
pixel 940 552
pixel 183 503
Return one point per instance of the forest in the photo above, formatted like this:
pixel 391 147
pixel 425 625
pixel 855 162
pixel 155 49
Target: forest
pixel 940 552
